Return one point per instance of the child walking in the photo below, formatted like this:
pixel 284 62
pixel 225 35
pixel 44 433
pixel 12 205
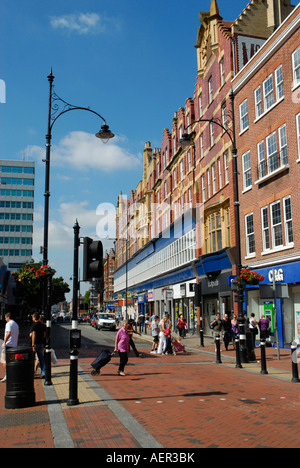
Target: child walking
pixel 168 348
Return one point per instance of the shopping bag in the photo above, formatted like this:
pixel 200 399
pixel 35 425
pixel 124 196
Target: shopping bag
pixel 53 357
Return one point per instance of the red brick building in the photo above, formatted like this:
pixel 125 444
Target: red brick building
pixel 267 110
pixel 182 210
pixel 108 278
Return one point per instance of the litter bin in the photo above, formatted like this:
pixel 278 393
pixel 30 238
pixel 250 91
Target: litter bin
pixel 19 378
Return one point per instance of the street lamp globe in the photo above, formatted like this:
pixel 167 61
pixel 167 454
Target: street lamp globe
pixel 105 134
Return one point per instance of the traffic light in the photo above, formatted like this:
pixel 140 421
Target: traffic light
pixel 92 259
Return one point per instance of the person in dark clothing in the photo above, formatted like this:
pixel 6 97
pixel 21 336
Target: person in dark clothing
pixel 130 330
pixel 226 324
pixel 38 335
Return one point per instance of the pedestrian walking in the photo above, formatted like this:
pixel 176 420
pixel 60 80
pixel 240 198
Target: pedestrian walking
pixel 168 334
pixel 11 337
pixel 131 331
pixel 234 329
pixel 122 346
pixel 38 336
pixel 227 336
pixel 181 325
pixel 155 332
pixel 163 324
pixel 141 322
pixel 216 326
pixel 253 328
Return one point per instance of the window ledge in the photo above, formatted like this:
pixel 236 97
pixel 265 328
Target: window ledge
pixel 278 249
pixel 272 174
pixel 269 110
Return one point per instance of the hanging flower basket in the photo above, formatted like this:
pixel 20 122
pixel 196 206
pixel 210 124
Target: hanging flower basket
pixel 43 270
pixel 249 277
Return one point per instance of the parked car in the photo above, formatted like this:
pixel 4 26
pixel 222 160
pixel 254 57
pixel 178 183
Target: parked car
pixel 105 321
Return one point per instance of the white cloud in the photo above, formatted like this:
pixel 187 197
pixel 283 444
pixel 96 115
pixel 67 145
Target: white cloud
pixel 83 23
pixel 96 223
pixel 83 151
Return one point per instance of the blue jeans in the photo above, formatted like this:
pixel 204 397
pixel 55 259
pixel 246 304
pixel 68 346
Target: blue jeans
pixel 40 353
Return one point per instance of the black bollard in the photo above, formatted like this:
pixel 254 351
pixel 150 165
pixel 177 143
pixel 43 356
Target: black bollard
pixel 238 356
pixel 294 348
pixel 218 350
pixel 263 357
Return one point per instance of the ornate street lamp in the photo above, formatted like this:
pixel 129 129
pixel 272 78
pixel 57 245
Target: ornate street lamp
pixel 105 134
pixel 186 141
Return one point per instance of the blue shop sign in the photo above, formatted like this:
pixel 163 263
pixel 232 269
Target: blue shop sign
pixel 286 273
pixel 141 299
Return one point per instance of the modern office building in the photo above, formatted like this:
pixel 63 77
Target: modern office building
pixel 16 212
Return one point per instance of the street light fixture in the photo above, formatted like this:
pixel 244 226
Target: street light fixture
pixel 186 141
pixel 105 134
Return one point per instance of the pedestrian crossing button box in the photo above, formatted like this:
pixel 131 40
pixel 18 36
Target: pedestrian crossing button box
pixel 75 339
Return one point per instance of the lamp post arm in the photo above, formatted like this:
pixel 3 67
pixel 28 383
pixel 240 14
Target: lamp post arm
pixel 232 139
pixel 72 108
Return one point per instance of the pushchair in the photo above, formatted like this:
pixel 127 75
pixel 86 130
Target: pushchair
pixel 178 346
pixel 101 361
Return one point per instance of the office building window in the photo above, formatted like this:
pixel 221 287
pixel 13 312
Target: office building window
pixel 250 239
pixel 247 178
pixel 203 188
pixel 296 66
pixel 212 133
pixel 279 83
pixel 265 228
pixel 258 103
pixel 226 171
pixel 288 222
pixel 244 120
pixel 261 159
pixel 268 92
pixel 210 90
pixel 276 224
pixel 222 72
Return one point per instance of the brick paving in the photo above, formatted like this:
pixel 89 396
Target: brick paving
pixel 183 401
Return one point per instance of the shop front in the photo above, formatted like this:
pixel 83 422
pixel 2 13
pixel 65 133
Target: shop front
pixel 183 304
pixel 216 298
pixel 285 304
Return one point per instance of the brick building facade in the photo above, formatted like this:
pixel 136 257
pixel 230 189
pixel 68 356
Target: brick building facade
pixel 267 99
pixel 180 218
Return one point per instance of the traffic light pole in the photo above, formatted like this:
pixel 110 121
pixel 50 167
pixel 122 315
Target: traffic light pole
pixel 75 333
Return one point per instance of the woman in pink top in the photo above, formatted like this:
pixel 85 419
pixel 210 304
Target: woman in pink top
pixel 122 346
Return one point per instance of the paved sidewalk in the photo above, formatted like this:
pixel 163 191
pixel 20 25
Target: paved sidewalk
pixel 119 413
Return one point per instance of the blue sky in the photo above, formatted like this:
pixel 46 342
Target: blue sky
pixel 133 61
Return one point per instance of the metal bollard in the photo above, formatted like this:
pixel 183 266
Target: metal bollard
pixel 218 350
pixel 295 377
pixel 263 357
pixel 238 356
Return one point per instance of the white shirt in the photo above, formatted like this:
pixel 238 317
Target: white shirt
pixel 13 328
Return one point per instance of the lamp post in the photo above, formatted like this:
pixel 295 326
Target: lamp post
pixel 105 134
pixel 186 141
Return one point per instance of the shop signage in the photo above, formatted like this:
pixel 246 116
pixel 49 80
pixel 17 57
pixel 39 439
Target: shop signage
pixel 141 298
pixel 150 296
pixel 213 283
pixel 276 274
pixel 183 289
pixel 216 285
